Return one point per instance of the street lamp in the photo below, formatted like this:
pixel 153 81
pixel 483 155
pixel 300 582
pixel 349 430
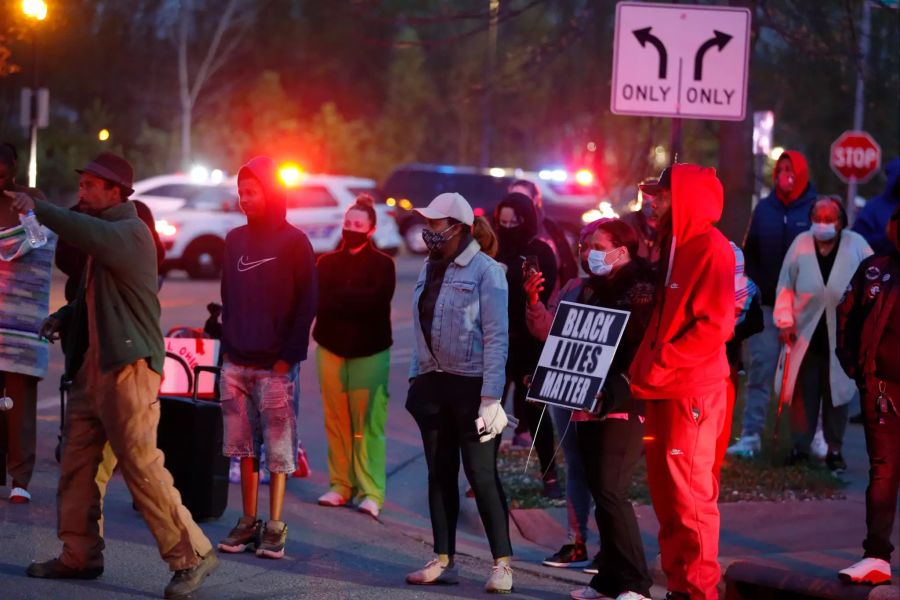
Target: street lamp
pixel 36 10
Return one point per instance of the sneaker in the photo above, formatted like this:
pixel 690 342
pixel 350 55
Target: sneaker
pixel 551 490
pixel 500 581
pixel 56 569
pixel 796 457
pixel 332 499
pixel 570 555
pixel 434 573
pixel 522 440
pixel 186 581
pixel 874 571
pixel 835 463
pixel 818 447
pixel 587 593
pixel 19 495
pixel 747 446
pixel 302 471
pixel 369 507
pixel 594 567
pixel 244 536
pixel 632 596
pixel 274 536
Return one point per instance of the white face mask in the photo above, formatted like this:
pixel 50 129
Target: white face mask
pixel 597 262
pixel 824 232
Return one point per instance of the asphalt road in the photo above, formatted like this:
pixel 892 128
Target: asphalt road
pixel 332 553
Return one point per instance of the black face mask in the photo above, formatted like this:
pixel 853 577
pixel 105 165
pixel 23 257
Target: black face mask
pixel 512 237
pixel 354 239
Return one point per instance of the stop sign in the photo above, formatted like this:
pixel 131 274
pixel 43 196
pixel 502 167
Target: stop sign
pixel 855 155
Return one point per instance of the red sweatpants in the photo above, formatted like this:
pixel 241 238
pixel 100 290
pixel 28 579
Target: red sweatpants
pixel 681 454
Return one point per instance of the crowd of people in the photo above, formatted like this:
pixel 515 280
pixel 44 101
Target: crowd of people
pixel 820 311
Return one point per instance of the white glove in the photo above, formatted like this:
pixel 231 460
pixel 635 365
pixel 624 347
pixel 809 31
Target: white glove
pixel 491 419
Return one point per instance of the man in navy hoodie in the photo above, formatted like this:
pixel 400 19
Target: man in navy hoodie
pixel 776 221
pixel 269 301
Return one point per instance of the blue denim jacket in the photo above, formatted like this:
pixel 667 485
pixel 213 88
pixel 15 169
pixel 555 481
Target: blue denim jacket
pixel 470 331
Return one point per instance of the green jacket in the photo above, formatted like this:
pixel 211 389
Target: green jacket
pixel 125 284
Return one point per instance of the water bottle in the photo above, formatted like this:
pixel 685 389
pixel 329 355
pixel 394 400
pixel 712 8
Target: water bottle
pixel 33 230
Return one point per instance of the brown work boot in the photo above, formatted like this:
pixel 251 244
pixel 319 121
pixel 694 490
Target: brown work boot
pixel 57 569
pixel 186 581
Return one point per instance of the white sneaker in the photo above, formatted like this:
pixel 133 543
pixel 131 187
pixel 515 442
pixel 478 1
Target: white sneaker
pixel 819 448
pixel 873 571
pixel 587 593
pixel 369 507
pixel 19 495
pixel 632 596
pixel 332 499
pixel 746 447
pixel 500 581
pixel 434 573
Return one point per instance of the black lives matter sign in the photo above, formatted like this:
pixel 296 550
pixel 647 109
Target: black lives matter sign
pixel 577 355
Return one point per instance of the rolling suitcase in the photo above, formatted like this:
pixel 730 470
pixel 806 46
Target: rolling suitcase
pixel 190 436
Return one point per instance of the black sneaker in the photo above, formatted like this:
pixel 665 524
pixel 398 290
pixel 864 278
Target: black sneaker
pixel 570 555
pixel 274 537
pixel 56 569
pixel 594 567
pixel 244 536
pixel 186 581
pixel 835 463
pixel 796 457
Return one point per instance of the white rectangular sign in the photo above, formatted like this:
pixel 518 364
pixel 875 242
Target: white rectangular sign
pixel 681 60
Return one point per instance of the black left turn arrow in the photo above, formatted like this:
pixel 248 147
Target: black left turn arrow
pixel 644 36
pixel 719 39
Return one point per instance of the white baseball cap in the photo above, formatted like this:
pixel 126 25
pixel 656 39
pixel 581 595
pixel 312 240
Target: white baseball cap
pixel 449 204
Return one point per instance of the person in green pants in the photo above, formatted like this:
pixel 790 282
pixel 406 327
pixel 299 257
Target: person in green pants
pixel 353 330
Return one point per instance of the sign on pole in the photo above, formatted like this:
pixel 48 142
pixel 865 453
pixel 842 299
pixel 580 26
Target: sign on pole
pixel 681 60
pixel 35 108
pixel 576 356
pixel 855 156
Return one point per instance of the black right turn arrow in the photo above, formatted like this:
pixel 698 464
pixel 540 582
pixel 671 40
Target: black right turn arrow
pixel 644 36
pixel 720 39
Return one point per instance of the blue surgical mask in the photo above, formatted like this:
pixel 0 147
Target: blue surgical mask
pixel 824 232
pixel 597 262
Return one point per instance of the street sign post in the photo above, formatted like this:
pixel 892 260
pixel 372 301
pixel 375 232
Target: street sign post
pixel 681 60
pixel 855 156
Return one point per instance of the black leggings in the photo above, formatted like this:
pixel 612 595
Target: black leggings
pixel 445 407
pixel 611 450
pixel 530 415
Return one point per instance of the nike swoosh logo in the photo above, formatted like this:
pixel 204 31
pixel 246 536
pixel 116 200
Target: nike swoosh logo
pixel 245 265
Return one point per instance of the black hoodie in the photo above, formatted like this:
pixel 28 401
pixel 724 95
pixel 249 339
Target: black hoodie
pixel 269 284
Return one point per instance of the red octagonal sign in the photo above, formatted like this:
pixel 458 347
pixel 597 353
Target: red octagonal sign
pixel 855 155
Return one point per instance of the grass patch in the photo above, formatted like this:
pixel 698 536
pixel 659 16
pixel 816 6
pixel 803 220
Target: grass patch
pixel 758 479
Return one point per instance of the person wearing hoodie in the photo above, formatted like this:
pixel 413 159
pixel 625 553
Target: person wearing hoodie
pixel 609 442
pixel 515 221
pixel 680 373
pixel 269 294
pixel 114 357
pixel 868 337
pixel 353 329
pixel 776 221
pixel 872 220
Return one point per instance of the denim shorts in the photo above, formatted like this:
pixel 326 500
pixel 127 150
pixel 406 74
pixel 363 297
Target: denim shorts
pixel 257 406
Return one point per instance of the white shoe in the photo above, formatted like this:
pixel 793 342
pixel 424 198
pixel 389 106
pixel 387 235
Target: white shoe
pixel 632 596
pixel 746 447
pixel 368 506
pixel 819 448
pixel 873 571
pixel 434 573
pixel 19 495
pixel 500 581
pixel 587 593
pixel 332 499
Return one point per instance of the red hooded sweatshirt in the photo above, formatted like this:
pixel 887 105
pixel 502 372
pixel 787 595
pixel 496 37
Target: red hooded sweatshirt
pixel 801 175
pixel 683 353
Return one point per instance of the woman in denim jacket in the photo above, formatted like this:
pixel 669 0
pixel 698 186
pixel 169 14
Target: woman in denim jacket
pixel 457 375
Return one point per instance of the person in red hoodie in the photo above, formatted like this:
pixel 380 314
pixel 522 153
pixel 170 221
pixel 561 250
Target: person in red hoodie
pixel 680 371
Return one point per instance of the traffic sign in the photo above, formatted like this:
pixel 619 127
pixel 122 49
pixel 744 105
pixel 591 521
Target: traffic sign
pixel 856 156
pixel 681 60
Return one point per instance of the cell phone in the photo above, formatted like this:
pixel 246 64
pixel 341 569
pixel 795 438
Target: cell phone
pixel 530 266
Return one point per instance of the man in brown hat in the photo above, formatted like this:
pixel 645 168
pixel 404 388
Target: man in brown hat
pixel 114 356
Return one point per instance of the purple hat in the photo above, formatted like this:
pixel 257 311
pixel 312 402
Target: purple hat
pixel 112 168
